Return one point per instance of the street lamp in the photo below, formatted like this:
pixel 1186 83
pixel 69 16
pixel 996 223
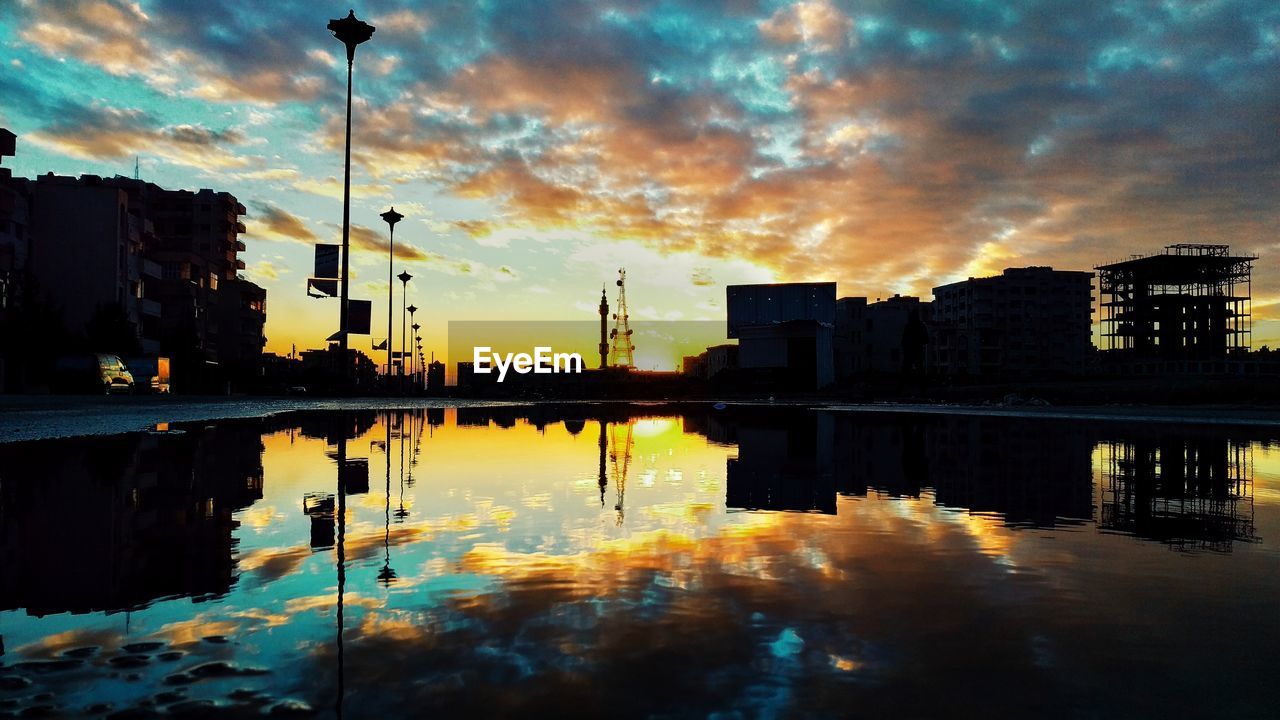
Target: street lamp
pixel 351 32
pixel 405 277
pixel 392 217
pixel 418 339
pixel 412 310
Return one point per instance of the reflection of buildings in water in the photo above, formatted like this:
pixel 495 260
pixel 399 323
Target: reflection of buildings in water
pixel 1187 491
pixel 787 460
pixel 1033 474
pixel 783 464
pixel 887 455
pixel 114 523
pixel 472 417
pixel 1037 473
pixel 319 507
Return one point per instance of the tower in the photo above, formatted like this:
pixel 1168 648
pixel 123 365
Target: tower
pixel 622 353
pixel 604 339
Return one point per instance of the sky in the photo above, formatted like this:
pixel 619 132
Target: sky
pixel 536 147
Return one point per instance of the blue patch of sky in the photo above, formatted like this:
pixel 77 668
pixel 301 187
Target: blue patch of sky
pixel 783 145
pixel 869 26
pixel 758 83
pixel 921 39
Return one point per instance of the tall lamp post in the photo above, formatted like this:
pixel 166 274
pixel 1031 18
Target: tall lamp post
pixel 392 217
pixel 405 277
pixel 417 366
pixel 422 378
pixel 412 310
pixel 351 32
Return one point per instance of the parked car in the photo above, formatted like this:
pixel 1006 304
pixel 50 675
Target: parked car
pixel 92 373
pixel 150 374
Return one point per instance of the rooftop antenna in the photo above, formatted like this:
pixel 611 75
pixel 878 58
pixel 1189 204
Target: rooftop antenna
pixel 137 168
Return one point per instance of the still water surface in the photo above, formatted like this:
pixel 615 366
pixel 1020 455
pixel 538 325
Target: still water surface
pixel 597 561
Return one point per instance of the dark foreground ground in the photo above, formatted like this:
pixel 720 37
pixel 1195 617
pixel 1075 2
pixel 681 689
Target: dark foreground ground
pixel 39 417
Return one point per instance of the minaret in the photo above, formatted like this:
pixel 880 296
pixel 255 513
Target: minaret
pixel 604 341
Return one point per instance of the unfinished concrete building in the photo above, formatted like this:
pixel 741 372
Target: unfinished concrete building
pixel 1188 304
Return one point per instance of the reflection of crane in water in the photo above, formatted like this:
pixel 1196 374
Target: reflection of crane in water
pixel 620 445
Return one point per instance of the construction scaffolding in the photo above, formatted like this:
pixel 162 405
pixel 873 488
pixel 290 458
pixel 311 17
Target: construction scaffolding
pixel 1190 302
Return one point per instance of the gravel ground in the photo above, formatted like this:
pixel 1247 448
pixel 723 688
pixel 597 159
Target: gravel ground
pixel 40 417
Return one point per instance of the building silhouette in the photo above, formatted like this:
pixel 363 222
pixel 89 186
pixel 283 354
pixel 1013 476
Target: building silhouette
pixel 784 331
pixel 708 364
pixel 435 377
pixel 137 269
pixel 1186 307
pixel 1025 321
pixel 887 336
pixel 15 222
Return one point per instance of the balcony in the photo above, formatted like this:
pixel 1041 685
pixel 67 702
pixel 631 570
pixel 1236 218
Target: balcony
pixel 239 264
pixel 150 308
pixel 240 246
pixel 240 228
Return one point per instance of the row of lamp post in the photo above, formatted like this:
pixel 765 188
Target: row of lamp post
pixel 352 32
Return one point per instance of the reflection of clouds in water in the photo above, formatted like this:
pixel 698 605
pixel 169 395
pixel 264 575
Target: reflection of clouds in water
pixel 516 593
pixel 596 625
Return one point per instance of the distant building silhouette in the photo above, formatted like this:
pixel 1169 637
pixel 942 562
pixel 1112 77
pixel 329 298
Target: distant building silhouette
pixel 711 362
pixel 887 336
pixel 785 330
pixel 1185 307
pixel 322 365
pixel 1026 321
pixel 435 377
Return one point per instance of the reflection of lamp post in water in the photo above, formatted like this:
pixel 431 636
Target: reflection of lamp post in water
pixel 342 548
pixel 386 575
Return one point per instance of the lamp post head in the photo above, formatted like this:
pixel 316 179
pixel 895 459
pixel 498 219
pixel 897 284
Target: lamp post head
pixel 405 277
pixel 351 32
pixel 392 217
pixel 416 327
pixel 412 309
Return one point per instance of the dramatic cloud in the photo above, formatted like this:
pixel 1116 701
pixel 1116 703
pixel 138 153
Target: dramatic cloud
pixel 272 223
pixel 889 146
pixel 103 132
